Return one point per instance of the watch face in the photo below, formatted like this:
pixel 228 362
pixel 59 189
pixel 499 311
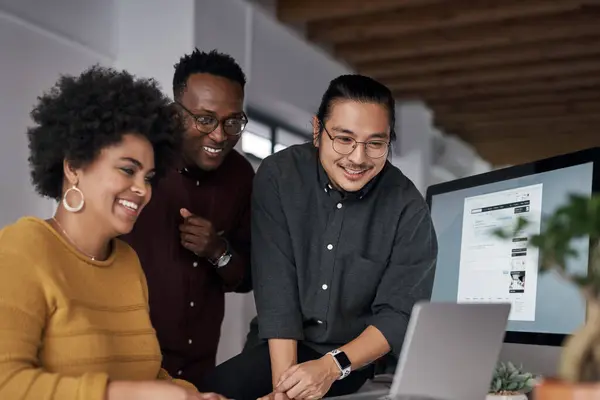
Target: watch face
pixel 224 260
pixel 343 360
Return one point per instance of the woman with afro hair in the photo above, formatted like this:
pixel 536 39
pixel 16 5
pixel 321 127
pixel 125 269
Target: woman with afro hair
pixel 74 318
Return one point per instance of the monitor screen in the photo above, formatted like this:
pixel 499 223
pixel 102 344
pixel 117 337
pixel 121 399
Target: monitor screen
pixel 475 266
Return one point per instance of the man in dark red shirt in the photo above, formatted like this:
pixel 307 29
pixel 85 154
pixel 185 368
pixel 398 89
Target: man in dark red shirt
pixel 193 238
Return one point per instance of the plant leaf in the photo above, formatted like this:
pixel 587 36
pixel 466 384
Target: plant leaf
pixel 497 385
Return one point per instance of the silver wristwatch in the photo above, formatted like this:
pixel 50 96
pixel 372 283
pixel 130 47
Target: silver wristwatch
pixel 224 259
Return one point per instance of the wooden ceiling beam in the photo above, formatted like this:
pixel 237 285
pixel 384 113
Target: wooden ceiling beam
pixel 525 154
pixel 538 86
pixel 509 73
pixel 471 38
pixel 584 109
pixel 559 134
pixel 470 60
pixel 475 134
pixel 492 103
pixel 515 147
pixel 581 140
pixel 299 11
pixel 457 13
pixel 549 123
pixel 519 151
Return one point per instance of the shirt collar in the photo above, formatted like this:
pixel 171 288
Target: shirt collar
pixel 326 185
pixel 190 171
pixel 179 164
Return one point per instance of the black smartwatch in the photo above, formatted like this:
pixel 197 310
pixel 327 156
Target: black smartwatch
pixel 343 363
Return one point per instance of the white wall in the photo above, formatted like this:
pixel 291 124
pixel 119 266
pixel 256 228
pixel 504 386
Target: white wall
pixel 413 127
pixel 39 41
pixel 427 155
pixel 288 75
pixel 224 25
pixel 152 35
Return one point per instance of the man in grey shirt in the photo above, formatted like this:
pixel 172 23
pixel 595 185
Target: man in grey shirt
pixel 342 248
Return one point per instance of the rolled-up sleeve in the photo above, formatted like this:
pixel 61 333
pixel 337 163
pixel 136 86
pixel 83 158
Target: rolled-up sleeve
pixel 273 269
pixel 408 277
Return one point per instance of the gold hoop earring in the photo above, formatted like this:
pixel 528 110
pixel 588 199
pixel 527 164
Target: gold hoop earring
pixel 66 204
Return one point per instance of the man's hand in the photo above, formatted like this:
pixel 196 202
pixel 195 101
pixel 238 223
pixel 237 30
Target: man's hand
pixel 310 380
pixel 198 236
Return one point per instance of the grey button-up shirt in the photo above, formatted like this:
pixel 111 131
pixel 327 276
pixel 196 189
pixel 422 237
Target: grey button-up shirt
pixel 327 264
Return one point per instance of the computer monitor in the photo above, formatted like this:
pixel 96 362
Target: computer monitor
pixel 475 266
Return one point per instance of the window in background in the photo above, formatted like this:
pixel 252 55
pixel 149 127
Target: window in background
pixel 256 139
pixel 264 136
pixel 285 138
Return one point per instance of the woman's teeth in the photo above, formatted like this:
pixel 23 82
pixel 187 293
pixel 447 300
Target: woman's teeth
pixel 129 204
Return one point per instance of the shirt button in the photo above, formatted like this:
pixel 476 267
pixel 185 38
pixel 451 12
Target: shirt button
pixel 191 304
pixel 197 183
pixel 190 341
pixel 179 372
pixel 339 205
pixel 324 287
pixel 195 264
pixel 329 246
pixel 319 322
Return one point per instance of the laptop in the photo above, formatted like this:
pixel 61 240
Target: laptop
pixel 449 353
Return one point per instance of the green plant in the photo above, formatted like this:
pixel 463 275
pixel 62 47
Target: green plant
pixel 578 218
pixel 508 379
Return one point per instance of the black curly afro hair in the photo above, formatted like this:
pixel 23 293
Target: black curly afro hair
pixel 200 62
pixel 81 115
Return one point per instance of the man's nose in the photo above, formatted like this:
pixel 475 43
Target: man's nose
pixel 359 155
pixel 218 135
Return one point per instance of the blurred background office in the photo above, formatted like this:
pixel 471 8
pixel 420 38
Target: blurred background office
pixel 480 84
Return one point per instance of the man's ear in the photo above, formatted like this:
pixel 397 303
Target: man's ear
pixel 316 130
pixel 70 173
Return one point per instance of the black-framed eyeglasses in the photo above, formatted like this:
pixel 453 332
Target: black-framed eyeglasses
pixel 206 124
pixel 346 145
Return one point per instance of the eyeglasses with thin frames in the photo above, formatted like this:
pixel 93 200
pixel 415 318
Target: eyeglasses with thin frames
pixel 206 124
pixel 346 145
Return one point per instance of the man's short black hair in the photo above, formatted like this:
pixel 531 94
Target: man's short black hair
pixel 212 62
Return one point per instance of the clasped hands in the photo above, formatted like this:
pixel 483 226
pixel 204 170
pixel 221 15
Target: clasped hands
pixel 198 236
pixel 307 381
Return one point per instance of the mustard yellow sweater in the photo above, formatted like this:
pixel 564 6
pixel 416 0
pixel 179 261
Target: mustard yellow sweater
pixel 69 324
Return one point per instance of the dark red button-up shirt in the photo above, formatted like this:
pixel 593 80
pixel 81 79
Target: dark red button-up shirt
pixel 187 292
